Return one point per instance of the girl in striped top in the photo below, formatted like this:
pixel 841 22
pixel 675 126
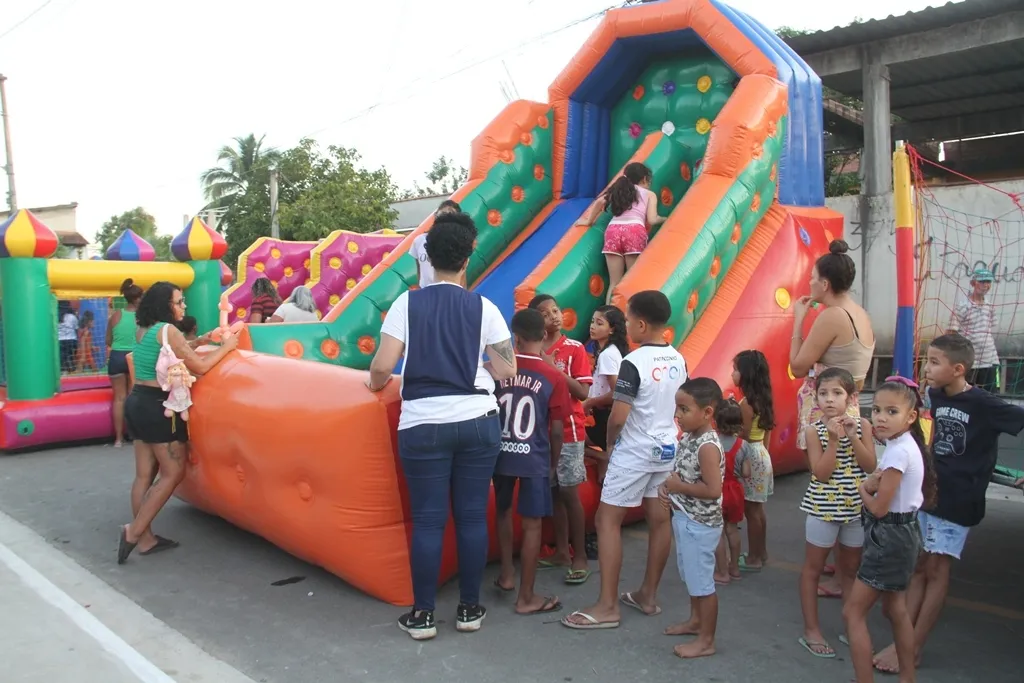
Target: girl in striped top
pixel 841 453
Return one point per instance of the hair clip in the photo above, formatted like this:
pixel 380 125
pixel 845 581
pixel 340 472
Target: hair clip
pixel 902 380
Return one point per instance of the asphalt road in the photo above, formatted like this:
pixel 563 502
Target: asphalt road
pixel 217 591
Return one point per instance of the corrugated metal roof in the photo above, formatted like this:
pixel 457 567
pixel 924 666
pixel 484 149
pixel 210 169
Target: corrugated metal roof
pixel 911 22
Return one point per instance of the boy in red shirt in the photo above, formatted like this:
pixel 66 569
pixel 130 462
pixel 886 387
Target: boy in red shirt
pixel 572 360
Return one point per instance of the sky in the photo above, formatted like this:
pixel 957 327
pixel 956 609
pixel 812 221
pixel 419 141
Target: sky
pixel 119 103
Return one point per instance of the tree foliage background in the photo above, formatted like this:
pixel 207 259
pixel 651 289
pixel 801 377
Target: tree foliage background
pixel 142 224
pixel 444 177
pixel 319 191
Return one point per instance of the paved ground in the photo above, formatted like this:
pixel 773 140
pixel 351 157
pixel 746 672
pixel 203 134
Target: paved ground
pixel 216 591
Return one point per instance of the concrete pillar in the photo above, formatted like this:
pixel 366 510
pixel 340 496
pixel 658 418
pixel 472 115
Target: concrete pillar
pixel 876 162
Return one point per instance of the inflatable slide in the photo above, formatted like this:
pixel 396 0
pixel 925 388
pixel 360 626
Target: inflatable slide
pixel 730 122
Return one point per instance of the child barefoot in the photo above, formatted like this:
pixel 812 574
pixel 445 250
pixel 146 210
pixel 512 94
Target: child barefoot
pixel 533 405
pixel 904 481
pixel 840 450
pixel 738 454
pixel 694 492
pixel 643 432
pixel 751 375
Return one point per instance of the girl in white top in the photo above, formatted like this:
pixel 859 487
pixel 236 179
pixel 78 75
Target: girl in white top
pixel 608 332
pixel 904 482
pixel 299 308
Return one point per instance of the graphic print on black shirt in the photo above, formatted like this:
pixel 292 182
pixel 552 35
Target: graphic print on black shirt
pixel 965 445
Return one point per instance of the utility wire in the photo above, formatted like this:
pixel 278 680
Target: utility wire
pixel 36 11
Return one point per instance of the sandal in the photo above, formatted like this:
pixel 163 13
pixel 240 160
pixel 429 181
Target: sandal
pixel 590 623
pixel 124 547
pixel 628 600
pixel 577 577
pixel 161 545
pixel 744 567
pixel 809 645
pixel 497 584
pixel 551 604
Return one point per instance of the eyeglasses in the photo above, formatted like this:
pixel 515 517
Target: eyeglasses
pixel 179 302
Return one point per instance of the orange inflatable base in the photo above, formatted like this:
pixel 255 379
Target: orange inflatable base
pixel 302 454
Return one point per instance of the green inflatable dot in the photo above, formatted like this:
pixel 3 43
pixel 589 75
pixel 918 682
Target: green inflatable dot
pixel 26 427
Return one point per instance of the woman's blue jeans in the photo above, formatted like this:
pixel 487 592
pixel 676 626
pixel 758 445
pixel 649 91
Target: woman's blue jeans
pixel 449 465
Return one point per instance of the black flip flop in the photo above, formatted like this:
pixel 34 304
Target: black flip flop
pixel 551 604
pixel 161 545
pixel 124 548
pixel 497 584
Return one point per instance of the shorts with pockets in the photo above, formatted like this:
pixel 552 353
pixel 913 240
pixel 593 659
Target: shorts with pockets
pixel 571 470
pixel 626 488
pixel 695 553
pixel 625 239
pixel 118 363
pixel 144 416
pixel 534 495
pixel 891 547
pixel 824 534
pixel 942 537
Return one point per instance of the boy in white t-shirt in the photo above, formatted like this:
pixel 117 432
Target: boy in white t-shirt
pixel 642 436
pixel 418 250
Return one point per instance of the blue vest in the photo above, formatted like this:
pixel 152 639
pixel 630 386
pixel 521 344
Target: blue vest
pixel 443 352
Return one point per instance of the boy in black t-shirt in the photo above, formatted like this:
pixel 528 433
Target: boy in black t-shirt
pixel 967 422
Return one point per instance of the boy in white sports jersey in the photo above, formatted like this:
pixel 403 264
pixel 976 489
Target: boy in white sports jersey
pixel 643 430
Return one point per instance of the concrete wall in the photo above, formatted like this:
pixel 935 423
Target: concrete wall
pixel 965 226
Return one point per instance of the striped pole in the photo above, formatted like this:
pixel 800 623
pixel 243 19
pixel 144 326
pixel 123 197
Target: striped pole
pixel 903 349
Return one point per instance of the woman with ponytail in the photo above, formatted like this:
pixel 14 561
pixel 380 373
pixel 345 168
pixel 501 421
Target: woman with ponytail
pixel 120 342
pixel 904 482
pixel 634 210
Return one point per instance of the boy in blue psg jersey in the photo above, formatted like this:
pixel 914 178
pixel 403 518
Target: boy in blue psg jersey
pixel 533 405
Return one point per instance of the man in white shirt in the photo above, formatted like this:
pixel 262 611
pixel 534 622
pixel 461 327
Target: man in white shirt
pixel 424 270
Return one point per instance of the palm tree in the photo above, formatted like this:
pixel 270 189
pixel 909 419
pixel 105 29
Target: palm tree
pixel 222 183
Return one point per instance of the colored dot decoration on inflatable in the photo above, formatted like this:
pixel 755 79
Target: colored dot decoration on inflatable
pixel 716 267
pixel 703 126
pixel 804 237
pixel 334 263
pixel 25 236
pixel 506 156
pixel 704 84
pixel 668 88
pixel 352 247
pixel 596 285
pixel 538 172
pixel 293 349
pixel 542 122
pixel 259 266
pixel 635 129
pixel 685 172
pixel 526 139
pixel 736 232
pixel 638 92
pixel 668 128
pixel 330 349
pixel 198 242
pixel 288 271
pixel 783 298
pixel 367 345
pixel 333 299
pixel 494 218
pixel 130 247
pixel 518 194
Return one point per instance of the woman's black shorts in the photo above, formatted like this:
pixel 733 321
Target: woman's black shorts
pixel 144 414
pixel 118 363
pixel 598 432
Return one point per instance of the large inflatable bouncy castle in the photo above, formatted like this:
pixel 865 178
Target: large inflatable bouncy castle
pixel 730 121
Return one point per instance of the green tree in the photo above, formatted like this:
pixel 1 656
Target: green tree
pixel 238 165
pixel 142 224
pixel 444 177
pixel 318 192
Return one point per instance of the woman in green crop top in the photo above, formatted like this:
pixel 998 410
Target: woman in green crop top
pixel 120 342
pixel 161 442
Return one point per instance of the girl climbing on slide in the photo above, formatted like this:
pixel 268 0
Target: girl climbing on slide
pixel 634 210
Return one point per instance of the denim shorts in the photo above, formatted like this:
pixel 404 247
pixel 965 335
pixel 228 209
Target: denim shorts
pixel 942 537
pixel 695 553
pixel 891 547
pixel 534 495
